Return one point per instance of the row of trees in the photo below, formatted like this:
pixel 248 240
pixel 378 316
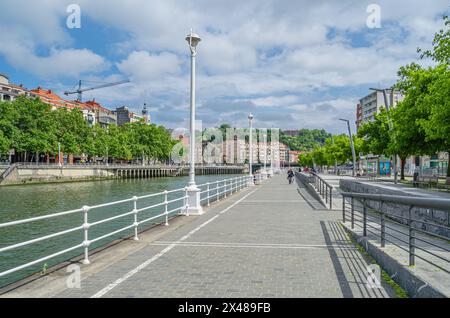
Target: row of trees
pixel 33 130
pixel 306 140
pixel 336 150
pixel 419 125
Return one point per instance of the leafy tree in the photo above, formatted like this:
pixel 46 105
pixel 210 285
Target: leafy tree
pixel 376 134
pixel 4 144
pixel 422 120
pixel 306 140
pixel 306 159
pixel 72 130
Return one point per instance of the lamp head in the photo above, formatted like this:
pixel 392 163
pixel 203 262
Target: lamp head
pixel 193 39
pixel 250 117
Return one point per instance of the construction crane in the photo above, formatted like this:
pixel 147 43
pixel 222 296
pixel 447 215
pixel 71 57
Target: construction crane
pixel 80 90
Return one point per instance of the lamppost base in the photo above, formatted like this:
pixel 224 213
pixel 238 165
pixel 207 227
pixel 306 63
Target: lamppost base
pixel 270 173
pixel 194 203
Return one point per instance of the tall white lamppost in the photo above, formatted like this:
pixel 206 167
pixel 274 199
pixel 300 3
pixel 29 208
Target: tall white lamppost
pixel 351 145
pixel 250 150
pixel 193 200
pixel 264 172
pixel 270 172
pixel 59 154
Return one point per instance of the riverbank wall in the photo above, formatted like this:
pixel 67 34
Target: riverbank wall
pixel 30 174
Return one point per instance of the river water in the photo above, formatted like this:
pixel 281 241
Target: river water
pixel 19 202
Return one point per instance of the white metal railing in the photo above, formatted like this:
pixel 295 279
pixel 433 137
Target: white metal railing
pixel 210 192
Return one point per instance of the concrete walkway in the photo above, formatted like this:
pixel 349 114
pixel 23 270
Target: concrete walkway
pixel 267 241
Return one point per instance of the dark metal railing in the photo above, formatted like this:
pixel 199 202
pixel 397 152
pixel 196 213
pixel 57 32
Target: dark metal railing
pixel 324 189
pixel 402 222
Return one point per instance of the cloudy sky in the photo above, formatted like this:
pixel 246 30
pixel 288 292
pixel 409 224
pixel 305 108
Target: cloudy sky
pixel 294 64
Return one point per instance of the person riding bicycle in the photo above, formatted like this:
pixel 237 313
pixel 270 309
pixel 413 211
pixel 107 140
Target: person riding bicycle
pixel 290 176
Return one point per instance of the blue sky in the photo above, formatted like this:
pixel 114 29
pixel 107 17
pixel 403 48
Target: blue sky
pixel 294 64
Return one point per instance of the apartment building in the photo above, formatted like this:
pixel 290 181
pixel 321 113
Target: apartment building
pixel 9 91
pixel 371 105
pixel 124 116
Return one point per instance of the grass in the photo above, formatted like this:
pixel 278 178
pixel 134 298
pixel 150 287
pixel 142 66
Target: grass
pixel 398 290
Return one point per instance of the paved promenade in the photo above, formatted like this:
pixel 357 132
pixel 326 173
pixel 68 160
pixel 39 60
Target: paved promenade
pixel 271 240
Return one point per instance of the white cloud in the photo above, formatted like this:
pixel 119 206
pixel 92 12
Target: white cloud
pixel 141 66
pixel 282 57
pixel 58 63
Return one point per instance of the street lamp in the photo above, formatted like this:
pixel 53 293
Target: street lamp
pixel 59 154
pixel 250 149
pixel 264 172
pixel 195 207
pixel 388 106
pixel 352 145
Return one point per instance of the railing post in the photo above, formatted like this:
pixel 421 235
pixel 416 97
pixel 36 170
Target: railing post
pixel 383 230
pixel 166 206
pixel 86 242
pixel 364 218
pixel 186 203
pixel 331 198
pixel 208 188
pixel 352 202
pixel 136 223
pixel 217 191
pixel 343 209
pixel 412 240
pixel 225 187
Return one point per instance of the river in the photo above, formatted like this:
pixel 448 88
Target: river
pixel 19 202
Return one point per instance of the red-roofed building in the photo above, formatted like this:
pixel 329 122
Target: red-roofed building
pixel 9 92
pixel 49 97
pixel 103 115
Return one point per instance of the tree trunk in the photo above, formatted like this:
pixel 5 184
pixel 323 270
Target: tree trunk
pixel 37 157
pixel 402 168
pixel 448 166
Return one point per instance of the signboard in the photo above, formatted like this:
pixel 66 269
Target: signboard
pixel 385 168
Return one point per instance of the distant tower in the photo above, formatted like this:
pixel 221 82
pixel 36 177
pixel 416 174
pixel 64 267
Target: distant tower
pixel 145 114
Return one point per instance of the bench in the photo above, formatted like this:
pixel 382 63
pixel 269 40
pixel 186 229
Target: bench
pixel 428 181
pixel 446 185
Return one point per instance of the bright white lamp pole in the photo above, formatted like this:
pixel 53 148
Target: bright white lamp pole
pixel 59 154
pixel 195 207
pixel 351 145
pixel 264 173
pixel 250 150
